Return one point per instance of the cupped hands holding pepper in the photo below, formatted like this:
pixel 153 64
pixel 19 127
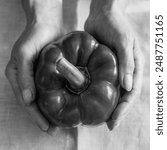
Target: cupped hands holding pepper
pixel 44 24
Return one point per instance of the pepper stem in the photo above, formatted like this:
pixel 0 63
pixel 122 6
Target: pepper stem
pixel 70 72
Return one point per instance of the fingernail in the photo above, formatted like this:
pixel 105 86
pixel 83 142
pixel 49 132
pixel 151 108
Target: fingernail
pixel 27 96
pixel 116 125
pixel 113 125
pixel 52 131
pixel 128 82
pixel 45 128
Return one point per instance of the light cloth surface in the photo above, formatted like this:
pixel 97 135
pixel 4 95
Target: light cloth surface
pixel 17 132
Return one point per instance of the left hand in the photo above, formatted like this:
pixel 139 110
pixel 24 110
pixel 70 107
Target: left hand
pixel 112 29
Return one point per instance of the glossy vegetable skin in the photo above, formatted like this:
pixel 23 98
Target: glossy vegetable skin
pixel 77 81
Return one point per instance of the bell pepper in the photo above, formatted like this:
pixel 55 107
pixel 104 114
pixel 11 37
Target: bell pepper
pixel 77 81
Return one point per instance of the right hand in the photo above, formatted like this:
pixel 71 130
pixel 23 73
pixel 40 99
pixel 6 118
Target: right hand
pixel 41 29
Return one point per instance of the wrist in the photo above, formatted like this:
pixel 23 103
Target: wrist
pixel 103 7
pixel 43 12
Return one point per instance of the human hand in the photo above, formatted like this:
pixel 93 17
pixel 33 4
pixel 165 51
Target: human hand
pixel 44 24
pixel 109 26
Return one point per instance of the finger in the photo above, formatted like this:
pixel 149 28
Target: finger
pixel 127 100
pixel 26 79
pixel 37 117
pixel 52 130
pixel 126 63
pixel 27 53
pixel 11 73
pixel 139 68
pixel 120 112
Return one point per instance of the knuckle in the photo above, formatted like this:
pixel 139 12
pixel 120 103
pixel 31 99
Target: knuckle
pixel 25 59
pixel 22 52
pixel 25 79
pixel 141 58
pixel 129 66
pixel 126 38
pixel 22 78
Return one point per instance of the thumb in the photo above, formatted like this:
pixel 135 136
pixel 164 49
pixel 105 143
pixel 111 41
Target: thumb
pixel 26 81
pixel 126 65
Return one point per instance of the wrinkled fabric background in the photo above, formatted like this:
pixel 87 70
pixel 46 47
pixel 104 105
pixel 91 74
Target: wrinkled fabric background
pixel 18 132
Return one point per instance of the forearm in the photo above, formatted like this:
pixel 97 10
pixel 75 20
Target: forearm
pixel 43 11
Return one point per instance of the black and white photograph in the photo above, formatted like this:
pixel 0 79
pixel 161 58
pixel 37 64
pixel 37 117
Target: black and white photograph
pixel 75 75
